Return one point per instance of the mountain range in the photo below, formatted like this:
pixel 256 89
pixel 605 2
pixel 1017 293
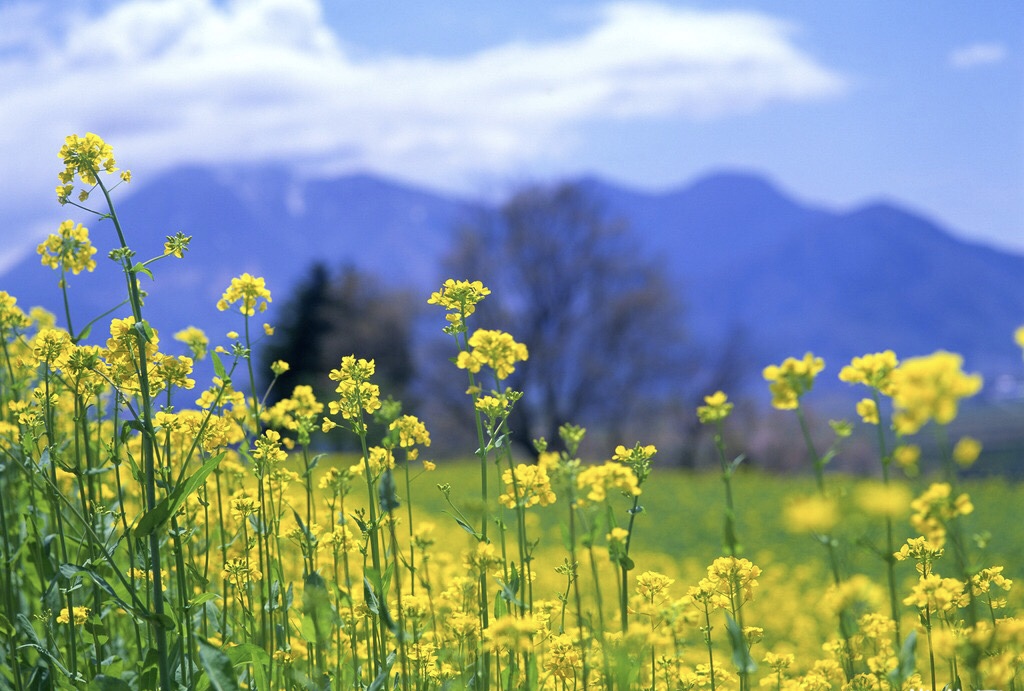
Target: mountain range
pixel 747 259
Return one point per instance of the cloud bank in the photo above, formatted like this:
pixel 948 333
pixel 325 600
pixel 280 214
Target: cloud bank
pixel 192 81
pixel 976 55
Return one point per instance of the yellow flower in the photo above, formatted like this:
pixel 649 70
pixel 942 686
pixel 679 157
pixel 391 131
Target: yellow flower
pixel 84 157
pixel 496 349
pixel 731 576
pixel 792 379
pixel 239 572
pixel 196 341
pixel 250 290
pixel 355 392
pixel 268 448
pixel 80 615
pixel 268 329
pixel 934 509
pixel 411 431
pixel 177 245
pixel 930 388
pixel 814 514
pixel 966 451
pixel 529 486
pixel 11 316
pixel 868 411
pixel 877 499
pixel 651 585
pixel 279 367
pixel 1018 336
pixel 906 456
pixel 873 369
pixel 936 594
pixel 69 249
pixel 598 480
pixel 716 408
pixel 460 298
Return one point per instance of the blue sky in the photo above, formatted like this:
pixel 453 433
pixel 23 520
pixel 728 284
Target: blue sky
pixel 838 102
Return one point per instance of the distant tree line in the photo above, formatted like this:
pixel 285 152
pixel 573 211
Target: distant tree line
pixel 604 328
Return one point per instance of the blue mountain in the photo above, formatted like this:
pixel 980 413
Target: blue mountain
pixel 746 258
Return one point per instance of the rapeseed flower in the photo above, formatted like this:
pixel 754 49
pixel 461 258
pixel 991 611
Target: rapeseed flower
pixel 930 388
pixel 814 514
pixel 239 571
pixel 715 409
pixel 68 249
pixel 906 456
pixel 886 500
pixel 79 615
pixel 598 480
pixel 496 349
pixel 251 291
pixel 934 509
pixel 356 394
pixel 793 378
pixel 411 431
pixel 529 486
pixel 868 411
pixel 195 339
pixel 936 594
pixel 873 370
pixel 85 157
pixel 966 451
pixel 11 316
pixel 460 298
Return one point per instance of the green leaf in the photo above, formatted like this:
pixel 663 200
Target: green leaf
pixel 905 667
pixel 318 615
pixel 139 268
pixel 954 685
pixel 500 608
pixel 382 678
pixel 219 669
pixel 466 526
pixel 70 571
pixel 101 682
pixel 218 366
pixel 740 652
pixel 169 505
pixel 388 494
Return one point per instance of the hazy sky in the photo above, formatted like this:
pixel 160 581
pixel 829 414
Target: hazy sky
pixel 838 102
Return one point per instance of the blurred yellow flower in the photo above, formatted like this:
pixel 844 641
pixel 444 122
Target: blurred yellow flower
pixel 814 514
pixel 966 451
pixel 792 379
pixel 716 408
pixel 930 388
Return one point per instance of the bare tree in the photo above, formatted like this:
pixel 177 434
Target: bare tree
pixel 603 327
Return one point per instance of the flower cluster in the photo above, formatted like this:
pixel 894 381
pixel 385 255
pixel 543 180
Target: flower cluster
pixel 716 408
pixel 460 299
pixel 934 509
pixel 873 370
pixel 356 394
pixel 250 290
pixel 792 379
pixel 69 249
pixel 930 388
pixel 85 157
pixel 598 480
pixel 529 486
pixel 496 349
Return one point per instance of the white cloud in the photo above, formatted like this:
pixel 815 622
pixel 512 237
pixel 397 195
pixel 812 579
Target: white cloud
pixel 175 81
pixel 977 54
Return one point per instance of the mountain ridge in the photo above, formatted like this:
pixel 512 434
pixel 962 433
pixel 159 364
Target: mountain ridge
pixel 745 255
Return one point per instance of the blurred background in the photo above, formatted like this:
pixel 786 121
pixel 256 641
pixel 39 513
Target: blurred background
pixel 664 197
